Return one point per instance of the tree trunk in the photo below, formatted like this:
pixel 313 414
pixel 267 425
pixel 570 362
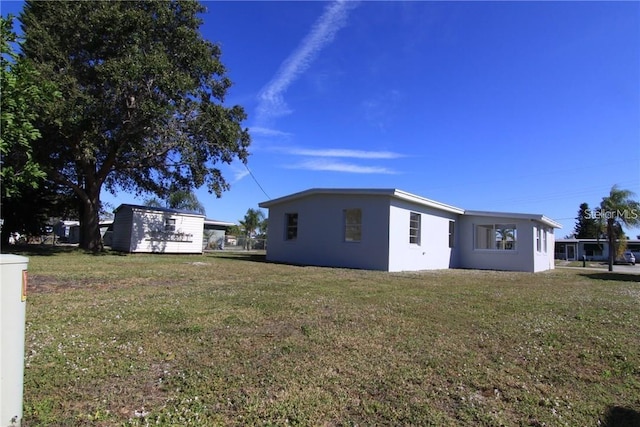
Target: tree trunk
pixel 90 238
pixel 611 243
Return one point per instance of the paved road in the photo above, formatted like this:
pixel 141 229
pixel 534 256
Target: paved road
pixel 627 269
pixel 635 269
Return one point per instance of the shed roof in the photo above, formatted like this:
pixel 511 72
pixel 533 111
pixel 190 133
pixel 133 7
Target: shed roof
pixel 208 221
pixel 158 209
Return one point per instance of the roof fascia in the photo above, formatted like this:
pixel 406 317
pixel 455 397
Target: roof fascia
pixel 534 217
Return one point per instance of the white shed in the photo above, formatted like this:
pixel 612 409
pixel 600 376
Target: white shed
pixel 392 230
pixel 156 230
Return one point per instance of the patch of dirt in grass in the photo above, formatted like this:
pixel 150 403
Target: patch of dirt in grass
pixel 41 284
pixel 44 284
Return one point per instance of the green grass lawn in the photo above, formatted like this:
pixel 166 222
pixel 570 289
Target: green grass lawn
pixel 222 339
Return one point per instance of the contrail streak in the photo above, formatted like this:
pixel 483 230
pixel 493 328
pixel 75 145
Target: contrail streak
pixel 271 101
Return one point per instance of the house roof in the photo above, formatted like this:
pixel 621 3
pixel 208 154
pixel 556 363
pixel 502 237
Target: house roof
pixel 389 192
pixel 534 217
pixel 602 240
pixel 158 209
pixel 403 195
pixel 208 221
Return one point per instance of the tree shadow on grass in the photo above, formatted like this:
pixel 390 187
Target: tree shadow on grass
pixel 240 256
pixel 618 416
pixel 38 249
pixel 52 250
pixel 617 277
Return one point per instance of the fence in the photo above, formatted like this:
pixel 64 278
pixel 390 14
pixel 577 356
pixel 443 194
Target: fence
pixel 233 243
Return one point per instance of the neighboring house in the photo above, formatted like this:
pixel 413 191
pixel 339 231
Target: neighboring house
pixel 67 231
pixel 391 230
pixel 157 230
pixel 106 231
pixel 591 249
pixel 214 233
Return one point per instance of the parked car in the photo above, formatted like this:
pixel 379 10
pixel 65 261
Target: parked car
pixel 627 258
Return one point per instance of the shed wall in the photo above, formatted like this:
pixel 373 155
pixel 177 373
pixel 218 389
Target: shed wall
pixel 143 231
pixel 121 236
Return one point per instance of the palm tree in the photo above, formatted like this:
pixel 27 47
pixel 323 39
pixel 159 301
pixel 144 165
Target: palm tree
pixel 179 199
pixel 506 236
pixel 185 200
pixel 252 220
pixel 618 210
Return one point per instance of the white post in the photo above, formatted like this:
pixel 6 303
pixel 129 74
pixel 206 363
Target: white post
pixel 13 295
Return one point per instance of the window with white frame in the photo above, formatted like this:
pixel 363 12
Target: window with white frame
pixel 352 225
pixel 291 225
pixel 539 239
pixel 169 225
pixel 414 228
pixel 544 240
pixel 500 237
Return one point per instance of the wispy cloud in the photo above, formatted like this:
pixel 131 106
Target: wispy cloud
pixel 333 166
pixel 239 171
pixel 338 152
pixel 263 131
pixel 271 102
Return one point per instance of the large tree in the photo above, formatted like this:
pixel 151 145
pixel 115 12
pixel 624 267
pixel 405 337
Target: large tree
pixel 618 209
pixel 588 226
pixel 143 100
pixel 20 92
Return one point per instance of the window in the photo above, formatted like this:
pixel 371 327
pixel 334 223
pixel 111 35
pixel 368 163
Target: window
pixel 496 237
pixel 291 226
pixel 414 228
pixel 452 229
pixel 169 225
pixel 593 249
pixel 538 239
pixel 544 240
pixel 352 225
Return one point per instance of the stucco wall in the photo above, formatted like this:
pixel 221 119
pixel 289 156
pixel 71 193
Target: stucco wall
pixel 320 239
pixel 544 260
pixel 520 259
pixel 433 251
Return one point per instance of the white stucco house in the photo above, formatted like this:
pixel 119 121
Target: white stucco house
pixel 392 230
pixel 156 230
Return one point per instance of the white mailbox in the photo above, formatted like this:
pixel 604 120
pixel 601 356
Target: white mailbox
pixel 13 296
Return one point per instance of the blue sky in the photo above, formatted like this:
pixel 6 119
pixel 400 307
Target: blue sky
pixel 509 106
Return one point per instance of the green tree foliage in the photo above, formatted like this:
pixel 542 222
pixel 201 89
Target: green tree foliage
pixel 142 107
pixel 180 199
pixel 20 92
pixel 588 226
pixel 618 209
pixel 251 222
